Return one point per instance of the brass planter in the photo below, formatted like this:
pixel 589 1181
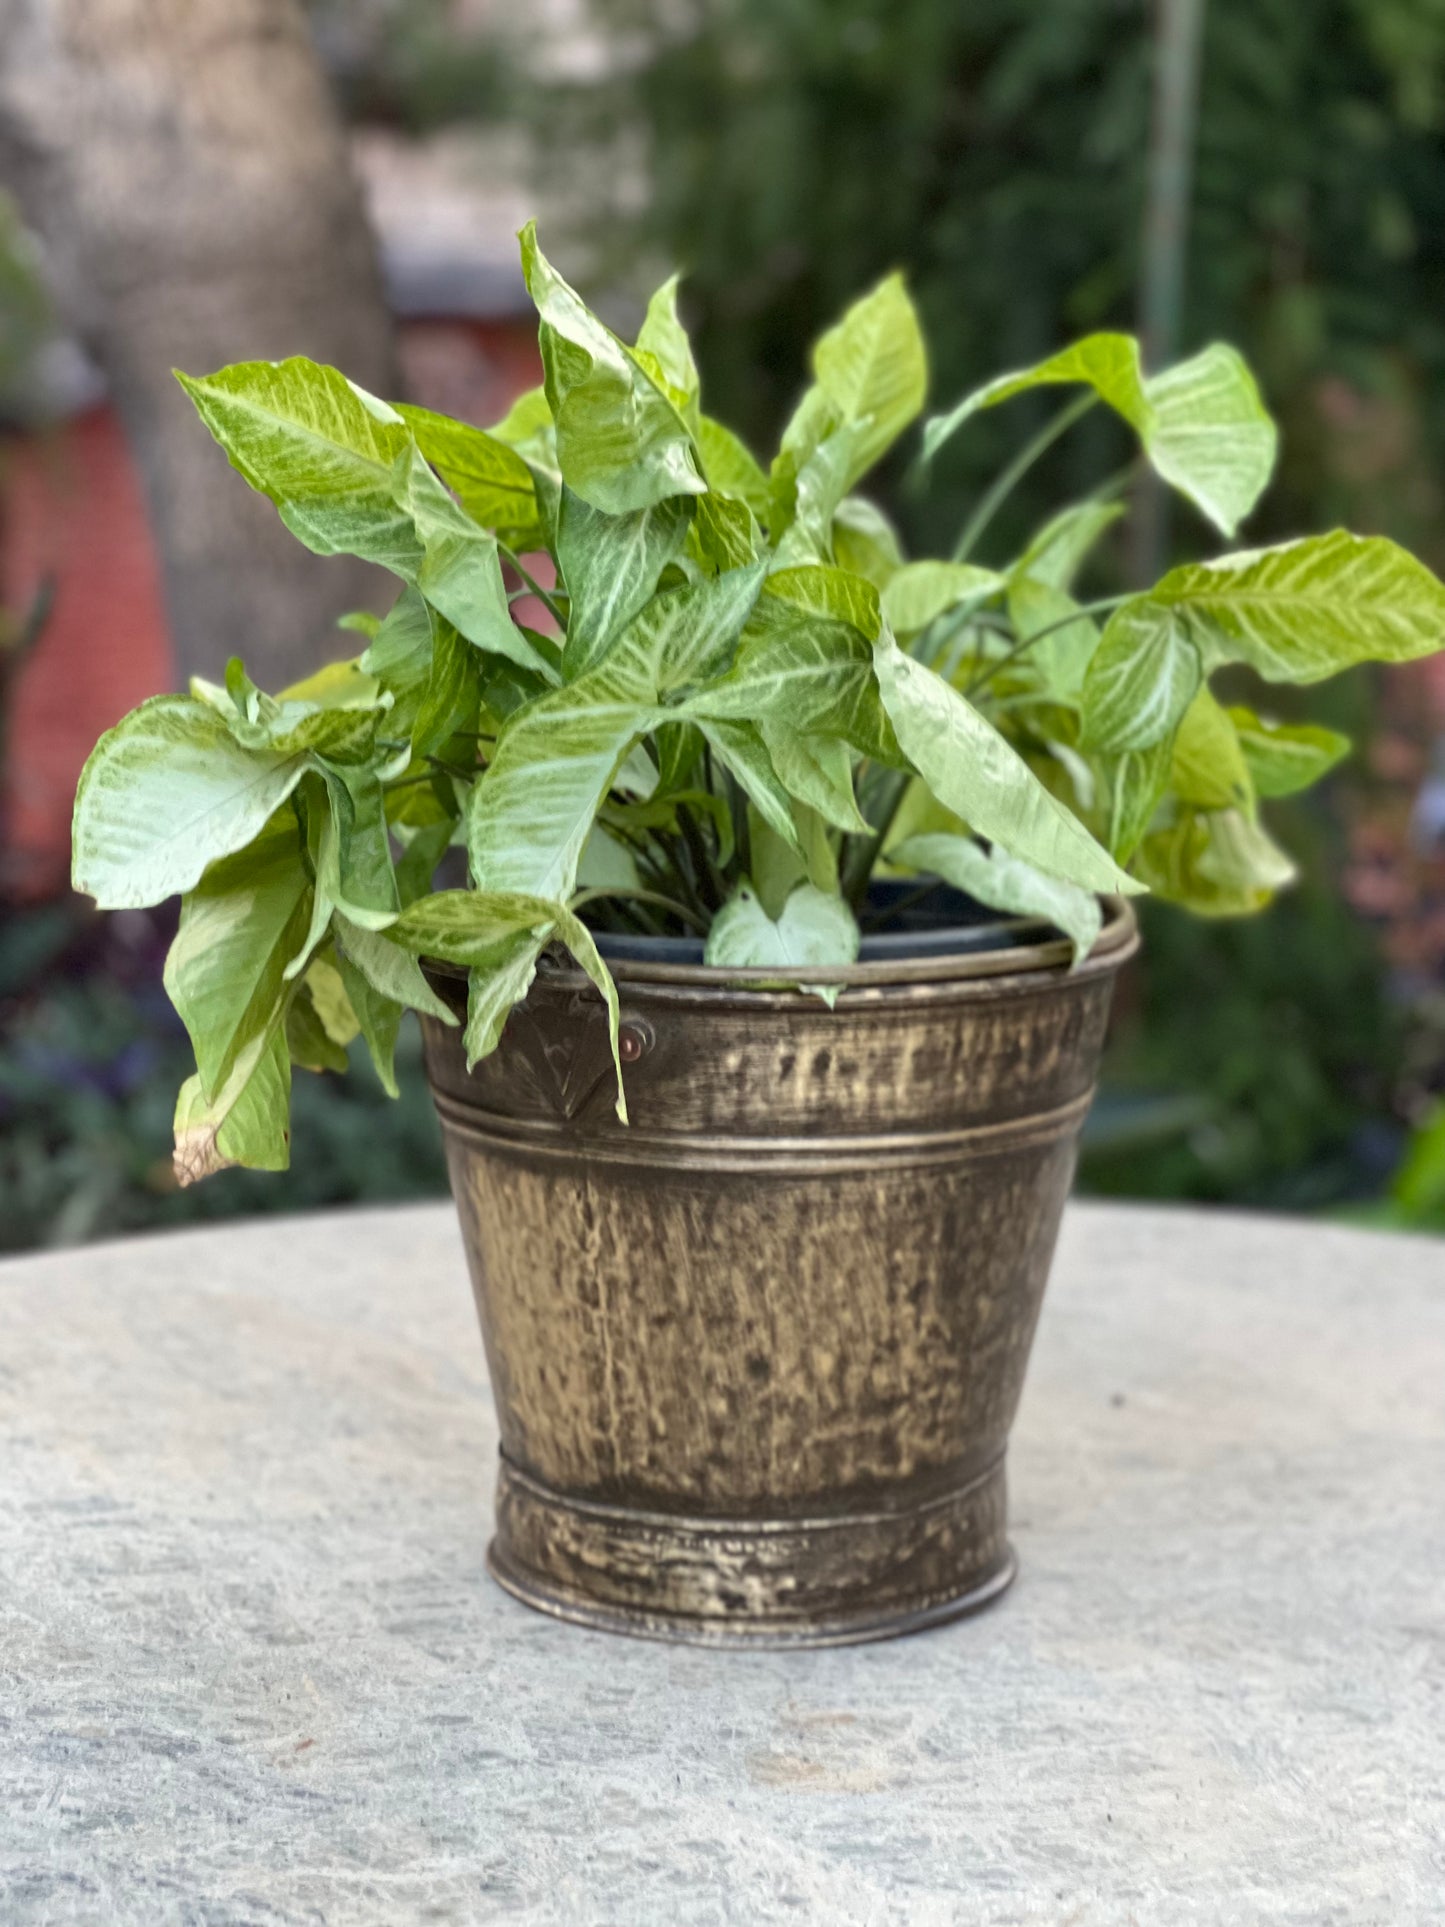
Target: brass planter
pixel 756 1356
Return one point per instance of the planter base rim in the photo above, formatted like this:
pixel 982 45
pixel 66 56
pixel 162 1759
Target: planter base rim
pixel 759 1634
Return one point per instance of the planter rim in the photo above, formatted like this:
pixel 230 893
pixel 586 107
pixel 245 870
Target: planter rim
pixel 1049 956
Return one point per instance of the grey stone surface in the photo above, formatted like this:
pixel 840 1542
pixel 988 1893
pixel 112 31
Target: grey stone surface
pixel 252 1672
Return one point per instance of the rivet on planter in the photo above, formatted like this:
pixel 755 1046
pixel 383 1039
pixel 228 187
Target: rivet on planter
pixel 634 1040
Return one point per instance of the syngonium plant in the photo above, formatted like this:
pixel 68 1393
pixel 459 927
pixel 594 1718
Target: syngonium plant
pixel 741 705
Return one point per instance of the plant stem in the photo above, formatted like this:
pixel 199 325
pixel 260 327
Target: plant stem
pixel 1004 484
pixel 987 674
pixel 862 852
pixel 670 904
pixel 533 584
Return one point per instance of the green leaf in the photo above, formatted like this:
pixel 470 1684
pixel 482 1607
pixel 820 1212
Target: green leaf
pixel 248 1122
pixel 555 760
pixel 610 565
pixel 389 970
pixel 1137 780
pixel 492 481
pixel 1064 648
pixel 818 771
pixel 355 871
pixel 452 694
pixel 1142 676
pixel 1006 883
pixel 805 664
pixel 723 534
pixel 865 541
pixel 973 771
pixel 499 935
pixel 814 928
pixel 347 478
pixel 379 1018
pixel 1286 757
pixel 729 467
pixel 241 926
pixel 334 713
pixel 1056 553
pixel 1208 767
pixel 621 443
pixel 663 337
pixel 920 592
pixel 165 793
pixel 399 657
pixel 309 1044
pixel 495 986
pixel 873 368
pixel 1217 863
pixel 806 502
pixel 1202 422
pixel 1295 613
pixel 740 749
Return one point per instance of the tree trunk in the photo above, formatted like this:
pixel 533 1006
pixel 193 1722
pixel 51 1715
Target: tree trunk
pixel 184 163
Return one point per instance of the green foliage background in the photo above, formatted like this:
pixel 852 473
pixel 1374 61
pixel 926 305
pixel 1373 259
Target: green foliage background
pixel 795 149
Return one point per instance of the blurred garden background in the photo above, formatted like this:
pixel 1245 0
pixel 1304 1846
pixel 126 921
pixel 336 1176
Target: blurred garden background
pixel 197 181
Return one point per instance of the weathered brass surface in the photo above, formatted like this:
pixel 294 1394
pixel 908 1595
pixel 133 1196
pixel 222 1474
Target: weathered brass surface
pixel 756 1356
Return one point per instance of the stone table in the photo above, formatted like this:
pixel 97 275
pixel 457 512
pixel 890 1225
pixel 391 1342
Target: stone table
pixel 252 1671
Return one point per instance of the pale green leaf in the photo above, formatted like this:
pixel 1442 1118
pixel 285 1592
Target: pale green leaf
pixel 1208 766
pixel 873 367
pixel 347 478
pixel 730 468
pixel 495 986
pixel 1202 423
pixel 309 1044
pixel 1286 757
pixel 1056 553
pixel 491 480
pixel 865 541
pixel 379 1020
pixel 241 926
pixel 663 336
pixel 1217 863
pixel 248 1122
pixel 621 443
pixel 740 749
pixel 499 935
pixel 1007 883
pixel 814 928
pixel 610 565
pixel 973 771
pixel 818 771
pixel 165 793
pixel 533 809
pixel 920 592
pixel 1060 642
pixel 390 971
pixel 1295 613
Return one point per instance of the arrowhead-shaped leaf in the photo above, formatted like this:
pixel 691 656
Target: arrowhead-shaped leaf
pixel 164 794
pixel 1284 758
pixel 1296 613
pixel 610 565
pixel 813 928
pixel 1006 883
pixel 621 442
pixel 974 772
pixel 240 928
pixel 1202 422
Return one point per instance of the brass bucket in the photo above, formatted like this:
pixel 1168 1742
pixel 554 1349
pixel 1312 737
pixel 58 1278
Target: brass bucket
pixel 756 1355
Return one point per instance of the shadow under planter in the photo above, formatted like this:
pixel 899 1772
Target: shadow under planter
pixel 757 1354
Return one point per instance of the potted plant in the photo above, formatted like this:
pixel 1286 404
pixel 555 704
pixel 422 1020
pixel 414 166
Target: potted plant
pixel 811 860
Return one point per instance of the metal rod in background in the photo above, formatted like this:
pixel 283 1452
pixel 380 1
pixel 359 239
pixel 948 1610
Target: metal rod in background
pixel 1178 33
